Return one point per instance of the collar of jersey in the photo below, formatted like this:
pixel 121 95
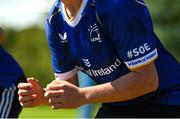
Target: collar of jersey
pixel 77 18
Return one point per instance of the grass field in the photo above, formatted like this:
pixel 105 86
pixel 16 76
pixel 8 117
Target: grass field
pixel 46 112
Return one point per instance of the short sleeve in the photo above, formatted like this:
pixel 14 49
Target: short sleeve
pixel 129 26
pixel 62 66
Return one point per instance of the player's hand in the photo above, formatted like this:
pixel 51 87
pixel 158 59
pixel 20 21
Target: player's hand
pixel 64 95
pixel 31 94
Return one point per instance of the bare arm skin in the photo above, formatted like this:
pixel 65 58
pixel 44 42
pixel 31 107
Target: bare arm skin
pixel 138 82
pixel 74 80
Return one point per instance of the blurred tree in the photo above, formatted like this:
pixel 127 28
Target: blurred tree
pixel 166 19
pixel 30 48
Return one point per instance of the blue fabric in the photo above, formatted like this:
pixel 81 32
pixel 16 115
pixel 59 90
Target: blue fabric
pixel 10 71
pixel 126 40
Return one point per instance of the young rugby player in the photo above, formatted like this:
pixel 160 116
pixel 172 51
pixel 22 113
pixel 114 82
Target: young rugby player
pixel 10 75
pixel 113 42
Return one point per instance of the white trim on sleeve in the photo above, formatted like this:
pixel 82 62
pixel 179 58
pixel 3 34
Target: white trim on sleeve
pixel 142 60
pixel 66 75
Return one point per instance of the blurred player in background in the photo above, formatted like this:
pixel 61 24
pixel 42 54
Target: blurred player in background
pixel 10 75
pixel 113 42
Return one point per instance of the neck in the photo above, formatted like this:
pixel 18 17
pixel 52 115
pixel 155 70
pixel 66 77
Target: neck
pixel 72 7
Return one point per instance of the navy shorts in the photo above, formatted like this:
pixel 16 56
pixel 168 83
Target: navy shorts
pixel 9 103
pixel 140 111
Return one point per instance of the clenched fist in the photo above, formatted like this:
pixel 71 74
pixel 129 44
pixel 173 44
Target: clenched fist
pixel 31 94
pixel 64 95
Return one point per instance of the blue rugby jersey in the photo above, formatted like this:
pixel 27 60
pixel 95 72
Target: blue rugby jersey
pixel 10 71
pixel 106 40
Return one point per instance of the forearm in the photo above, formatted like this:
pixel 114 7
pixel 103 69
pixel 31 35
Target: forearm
pixel 73 80
pixel 125 88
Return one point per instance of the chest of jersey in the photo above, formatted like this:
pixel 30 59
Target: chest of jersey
pixel 92 51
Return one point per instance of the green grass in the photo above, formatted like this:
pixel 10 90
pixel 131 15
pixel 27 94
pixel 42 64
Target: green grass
pixel 46 112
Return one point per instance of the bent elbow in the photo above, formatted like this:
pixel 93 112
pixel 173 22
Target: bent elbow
pixel 154 83
pixel 150 75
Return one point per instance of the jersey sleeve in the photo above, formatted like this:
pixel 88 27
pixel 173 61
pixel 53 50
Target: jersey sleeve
pixel 62 66
pixel 129 26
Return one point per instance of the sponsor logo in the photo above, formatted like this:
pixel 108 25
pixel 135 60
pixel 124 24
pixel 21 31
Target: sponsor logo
pixel 86 62
pixel 101 71
pixel 138 51
pixel 94 33
pixel 143 60
pixel 63 37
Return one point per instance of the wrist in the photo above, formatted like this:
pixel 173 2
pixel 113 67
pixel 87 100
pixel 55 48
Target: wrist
pixel 43 100
pixel 85 95
pixel 88 94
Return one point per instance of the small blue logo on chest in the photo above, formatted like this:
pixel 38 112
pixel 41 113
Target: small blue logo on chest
pixel 94 33
pixel 86 62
